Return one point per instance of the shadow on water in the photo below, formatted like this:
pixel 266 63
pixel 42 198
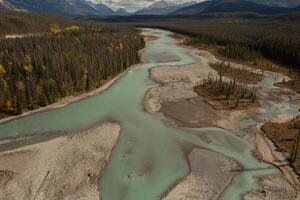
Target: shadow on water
pixel 258 169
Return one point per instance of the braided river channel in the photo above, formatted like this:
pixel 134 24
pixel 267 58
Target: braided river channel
pixel 149 150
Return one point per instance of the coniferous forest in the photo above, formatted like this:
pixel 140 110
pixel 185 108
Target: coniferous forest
pixel 41 69
pixel 246 38
pixel 25 22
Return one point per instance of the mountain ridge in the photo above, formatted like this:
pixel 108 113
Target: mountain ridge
pixel 122 12
pixel 76 8
pixel 162 8
pixel 234 6
pixel 64 7
pixel 278 3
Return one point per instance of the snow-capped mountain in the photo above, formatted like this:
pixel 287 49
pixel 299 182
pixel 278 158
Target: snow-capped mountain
pixel 122 12
pixel 64 7
pixel 86 7
pixel 162 8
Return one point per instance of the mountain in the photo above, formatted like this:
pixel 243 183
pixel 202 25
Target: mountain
pixel 122 12
pixel 162 8
pixel 4 5
pixel 231 6
pixel 278 3
pixel 64 7
pixel 194 9
pixel 103 9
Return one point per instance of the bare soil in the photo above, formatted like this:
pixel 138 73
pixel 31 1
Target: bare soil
pixel 284 135
pixel 66 167
pixel 292 84
pixel 191 112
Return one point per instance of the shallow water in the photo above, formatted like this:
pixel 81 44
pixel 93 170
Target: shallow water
pixel 148 159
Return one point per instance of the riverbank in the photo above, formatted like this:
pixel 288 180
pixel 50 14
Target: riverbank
pixel 66 167
pixel 71 99
pixel 150 153
pixel 284 143
pixel 68 100
pixel 175 99
pixel 261 63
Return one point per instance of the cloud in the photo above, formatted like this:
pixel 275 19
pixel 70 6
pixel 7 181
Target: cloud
pixel 132 5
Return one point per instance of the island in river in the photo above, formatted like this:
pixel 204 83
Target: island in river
pixel 172 145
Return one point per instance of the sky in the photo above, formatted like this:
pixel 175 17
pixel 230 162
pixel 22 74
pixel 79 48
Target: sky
pixel 133 5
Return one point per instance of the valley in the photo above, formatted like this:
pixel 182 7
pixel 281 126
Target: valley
pixel 142 164
pixel 131 100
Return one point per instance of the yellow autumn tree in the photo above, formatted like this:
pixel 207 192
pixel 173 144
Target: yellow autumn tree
pixel 54 28
pixel 27 59
pixel 72 28
pixel 43 67
pixel 121 45
pixel 8 105
pixel 85 72
pixel 28 66
pixel 20 85
pixel 2 70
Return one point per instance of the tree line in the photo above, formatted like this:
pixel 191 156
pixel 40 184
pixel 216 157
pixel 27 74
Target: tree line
pixel 244 39
pixel 39 70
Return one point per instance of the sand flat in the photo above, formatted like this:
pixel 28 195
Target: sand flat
pixel 66 167
pixel 175 99
pixel 210 174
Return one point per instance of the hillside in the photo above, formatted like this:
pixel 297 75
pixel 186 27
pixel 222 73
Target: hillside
pixel 278 3
pixel 63 7
pixel 122 12
pixel 23 22
pixel 231 6
pixel 162 8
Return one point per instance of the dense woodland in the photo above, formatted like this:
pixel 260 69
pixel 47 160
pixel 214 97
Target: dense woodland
pixel 39 70
pixel 276 38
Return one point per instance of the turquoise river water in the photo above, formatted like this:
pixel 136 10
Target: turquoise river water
pixel 148 149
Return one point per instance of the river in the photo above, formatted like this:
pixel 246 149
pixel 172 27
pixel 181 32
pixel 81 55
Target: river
pixel 148 159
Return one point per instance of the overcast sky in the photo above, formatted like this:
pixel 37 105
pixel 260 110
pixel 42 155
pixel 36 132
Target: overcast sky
pixel 133 5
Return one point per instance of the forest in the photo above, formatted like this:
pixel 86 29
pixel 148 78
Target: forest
pixel 24 22
pixel 246 38
pixel 41 69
